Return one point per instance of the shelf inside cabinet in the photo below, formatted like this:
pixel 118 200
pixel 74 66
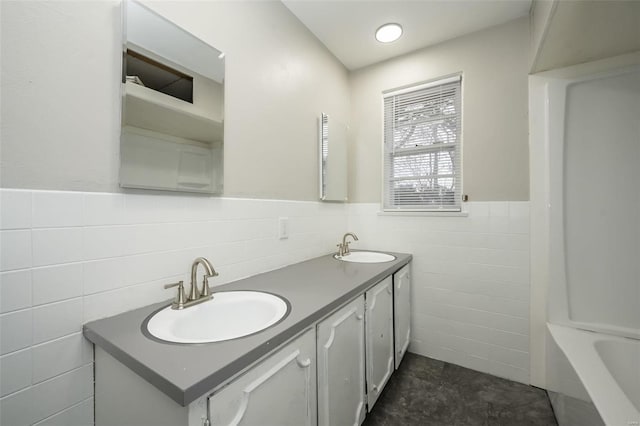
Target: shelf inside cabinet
pixel 148 109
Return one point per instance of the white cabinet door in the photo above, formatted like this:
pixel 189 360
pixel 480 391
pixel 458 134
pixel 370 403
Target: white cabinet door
pixel 341 376
pixel 379 338
pixel 280 391
pixel 402 311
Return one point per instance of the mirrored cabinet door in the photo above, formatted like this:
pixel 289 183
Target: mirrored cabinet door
pixel 172 134
pixel 333 159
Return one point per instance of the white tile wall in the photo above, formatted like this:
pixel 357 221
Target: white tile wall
pixel 54 246
pixel 15 290
pixel 67 258
pixel 15 331
pixel 470 281
pixel 62 392
pixel 79 414
pixel 56 320
pixel 15 209
pixel 15 371
pixel 59 356
pixel 15 249
pixel 55 283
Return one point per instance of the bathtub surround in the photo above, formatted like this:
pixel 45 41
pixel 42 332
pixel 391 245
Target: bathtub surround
pixel 598 247
pixel 584 251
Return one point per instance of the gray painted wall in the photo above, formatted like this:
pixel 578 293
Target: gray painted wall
pixel 60 95
pixel 61 105
pixel 574 32
pixel 494 63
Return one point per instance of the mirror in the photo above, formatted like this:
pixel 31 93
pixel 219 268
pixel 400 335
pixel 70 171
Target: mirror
pixel 172 134
pixel 333 160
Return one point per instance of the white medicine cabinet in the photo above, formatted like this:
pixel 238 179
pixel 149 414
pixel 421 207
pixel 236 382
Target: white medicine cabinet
pixel 172 133
pixel 332 153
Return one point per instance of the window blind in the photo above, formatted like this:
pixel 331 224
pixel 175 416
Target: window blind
pixel 422 164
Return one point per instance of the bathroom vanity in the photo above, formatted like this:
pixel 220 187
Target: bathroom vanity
pixel 326 362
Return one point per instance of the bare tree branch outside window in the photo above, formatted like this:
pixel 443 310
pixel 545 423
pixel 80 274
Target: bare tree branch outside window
pixel 422 147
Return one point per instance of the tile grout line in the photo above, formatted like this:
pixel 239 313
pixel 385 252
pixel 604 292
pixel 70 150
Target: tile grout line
pixel 63 410
pixel 32 385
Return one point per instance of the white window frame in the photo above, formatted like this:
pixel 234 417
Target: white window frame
pixel 453 210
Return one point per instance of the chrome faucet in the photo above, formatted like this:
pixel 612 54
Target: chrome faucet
pixel 343 248
pixel 195 296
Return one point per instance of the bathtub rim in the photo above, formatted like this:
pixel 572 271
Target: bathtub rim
pixel 578 346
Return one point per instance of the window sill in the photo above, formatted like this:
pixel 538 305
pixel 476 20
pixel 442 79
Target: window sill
pixel 424 213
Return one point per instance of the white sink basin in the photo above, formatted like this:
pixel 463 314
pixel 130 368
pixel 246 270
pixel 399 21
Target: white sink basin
pixel 229 315
pixel 366 257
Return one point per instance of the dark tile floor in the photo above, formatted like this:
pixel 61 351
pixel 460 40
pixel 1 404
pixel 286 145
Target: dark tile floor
pixel 434 393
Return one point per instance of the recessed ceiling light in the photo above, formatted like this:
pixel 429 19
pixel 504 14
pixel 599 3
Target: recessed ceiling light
pixel 388 33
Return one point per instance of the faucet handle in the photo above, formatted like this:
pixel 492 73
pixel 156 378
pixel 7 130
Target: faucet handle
pixel 178 284
pixel 181 297
pixel 206 291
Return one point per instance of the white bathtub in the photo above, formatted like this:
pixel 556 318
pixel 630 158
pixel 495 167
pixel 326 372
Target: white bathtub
pixel 585 217
pixel 585 368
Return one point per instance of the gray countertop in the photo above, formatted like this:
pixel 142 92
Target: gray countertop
pixel 185 372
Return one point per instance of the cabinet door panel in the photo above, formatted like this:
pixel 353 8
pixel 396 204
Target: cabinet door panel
pixel 281 391
pixel 402 311
pixel 341 375
pixel 379 337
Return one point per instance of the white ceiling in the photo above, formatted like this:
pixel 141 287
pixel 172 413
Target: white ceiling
pixel 347 27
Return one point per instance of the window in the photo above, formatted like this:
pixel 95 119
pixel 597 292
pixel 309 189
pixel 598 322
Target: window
pixel 422 164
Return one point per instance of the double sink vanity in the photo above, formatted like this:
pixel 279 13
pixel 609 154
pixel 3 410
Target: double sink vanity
pixel 310 343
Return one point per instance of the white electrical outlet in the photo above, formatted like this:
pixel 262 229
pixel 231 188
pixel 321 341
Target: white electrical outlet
pixel 283 228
